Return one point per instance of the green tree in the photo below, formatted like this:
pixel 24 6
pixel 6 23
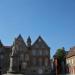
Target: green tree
pixel 60 54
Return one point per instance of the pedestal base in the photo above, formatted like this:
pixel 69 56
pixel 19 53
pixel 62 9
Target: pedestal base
pixel 11 71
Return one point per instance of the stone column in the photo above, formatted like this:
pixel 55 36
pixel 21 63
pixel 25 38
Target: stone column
pixel 11 60
pixel 11 64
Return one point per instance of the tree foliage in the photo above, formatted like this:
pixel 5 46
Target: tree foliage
pixel 60 54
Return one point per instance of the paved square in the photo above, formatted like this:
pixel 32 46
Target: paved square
pixel 12 74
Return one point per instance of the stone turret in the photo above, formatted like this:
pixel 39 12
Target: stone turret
pixel 1 44
pixel 29 42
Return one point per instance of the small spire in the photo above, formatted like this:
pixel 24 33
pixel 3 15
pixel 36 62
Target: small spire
pixel 19 36
pixel 29 41
pixel 63 50
pixel 1 44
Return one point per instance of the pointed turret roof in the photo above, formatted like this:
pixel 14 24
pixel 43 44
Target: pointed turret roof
pixel 29 39
pixel 20 39
pixel 1 44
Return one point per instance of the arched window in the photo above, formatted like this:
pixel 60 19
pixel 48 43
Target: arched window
pixel 26 57
pixel 24 65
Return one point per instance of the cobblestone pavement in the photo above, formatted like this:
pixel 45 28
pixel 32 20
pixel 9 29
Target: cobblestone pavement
pixel 12 74
pixel 27 74
pixel 24 74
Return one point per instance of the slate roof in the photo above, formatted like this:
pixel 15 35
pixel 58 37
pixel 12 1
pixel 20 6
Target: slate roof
pixel 40 43
pixel 20 39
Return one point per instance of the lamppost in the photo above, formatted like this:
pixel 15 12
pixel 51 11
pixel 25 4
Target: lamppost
pixel 1 62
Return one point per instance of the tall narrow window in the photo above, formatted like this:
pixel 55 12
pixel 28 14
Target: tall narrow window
pixel 34 61
pixel 40 52
pixel 34 52
pixel 72 61
pixel 26 57
pixel 40 61
pixel 46 52
pixel 21 57
pixel 46 62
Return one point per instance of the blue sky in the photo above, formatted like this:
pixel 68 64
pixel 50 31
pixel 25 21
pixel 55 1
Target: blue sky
pixel 54 20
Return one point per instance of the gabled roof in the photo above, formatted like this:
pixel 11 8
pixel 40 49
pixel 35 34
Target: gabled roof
pixel 40 43
pixel 71 52
pixel 20 39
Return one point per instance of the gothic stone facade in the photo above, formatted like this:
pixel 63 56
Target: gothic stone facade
pixel 27 57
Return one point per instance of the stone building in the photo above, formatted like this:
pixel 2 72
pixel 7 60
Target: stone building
pixel 70 60
pixel 26 57
pixel 40 56
pixel 4 57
